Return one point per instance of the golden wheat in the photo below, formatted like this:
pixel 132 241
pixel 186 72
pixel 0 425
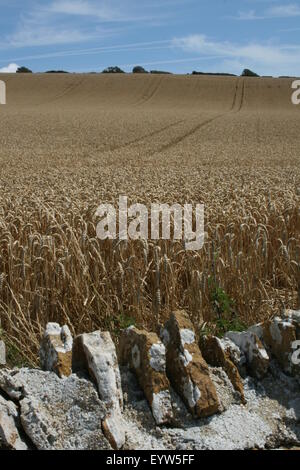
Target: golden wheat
pixel 71 143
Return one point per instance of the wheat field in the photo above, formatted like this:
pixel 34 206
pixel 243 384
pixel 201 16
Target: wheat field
pixel 71 142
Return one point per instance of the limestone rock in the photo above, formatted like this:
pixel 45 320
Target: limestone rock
pixel 270 419
pixel 57 414
pixel 187 370
pixel 145 354
pixel 236 355
pixel 2 354
pixel 56 350
pixel 96 353
pixel 279 335
pixel 293 316
pixel 9 435
pixel 252 347
pixel 217 352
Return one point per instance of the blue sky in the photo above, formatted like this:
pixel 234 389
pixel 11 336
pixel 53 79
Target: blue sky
pixel 175 35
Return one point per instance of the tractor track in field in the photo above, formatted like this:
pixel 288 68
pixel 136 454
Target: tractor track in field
pixel 152 92
pixel 237 105
pixel 69 89
pixel 188 134
pixel 145 136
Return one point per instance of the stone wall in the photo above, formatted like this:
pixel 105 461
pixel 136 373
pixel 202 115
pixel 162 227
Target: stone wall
pixel 176 391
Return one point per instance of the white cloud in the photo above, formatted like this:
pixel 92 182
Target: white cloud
pixel 27 36
pixel 266 58
pixel 291 10
pixel 67 22
pixel 83 8
pixel 249 15
pixel 284 11
pixel 98 11
pixel 138 46
pixel 74 7
pixel 11 68
pixel 42 27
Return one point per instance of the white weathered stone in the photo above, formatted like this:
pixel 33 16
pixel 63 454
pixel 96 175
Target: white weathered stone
pixel 187 370
pixel 293 315
pixel 145 355
pixel 96 353
pixel 114 429
pixel 56 350
pixel 160 403
pixel 275 330
pixel 252 347
pixel 157 355
pixel 187 336
pixel 278 336
pixel 57 414
pixel 270 419
pixel 100 358
pixel 67 414
pixel 165 337
pixel 2 354
pixel 224 353
pixel 191 392
pixel 258 330
pixel 236 355
pixel 186 357
pixel 9 434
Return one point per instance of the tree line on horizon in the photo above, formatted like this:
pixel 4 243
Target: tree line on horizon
pixel 140 70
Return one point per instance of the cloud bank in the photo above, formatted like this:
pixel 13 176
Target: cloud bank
pixel 11 68
pixel 265 57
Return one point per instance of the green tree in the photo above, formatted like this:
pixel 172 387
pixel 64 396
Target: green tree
pixel 249 73
pixel 56 71
pixel 139 69
pixel 113 70
pixel 24 70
